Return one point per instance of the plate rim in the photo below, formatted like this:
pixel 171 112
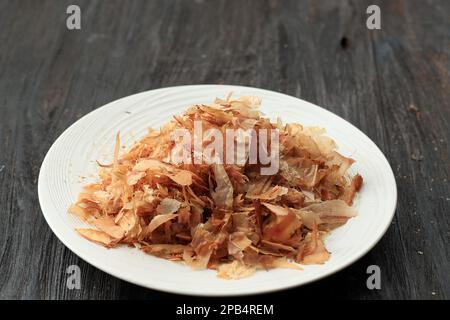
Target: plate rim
pixel 60 235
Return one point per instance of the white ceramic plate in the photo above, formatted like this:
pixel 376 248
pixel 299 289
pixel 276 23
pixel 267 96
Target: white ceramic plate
pixel 70 163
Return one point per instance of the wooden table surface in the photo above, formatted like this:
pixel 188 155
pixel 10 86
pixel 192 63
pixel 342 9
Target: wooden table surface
pixel 393 84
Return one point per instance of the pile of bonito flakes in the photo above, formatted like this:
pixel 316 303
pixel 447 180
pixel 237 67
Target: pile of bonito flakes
pixel 226 217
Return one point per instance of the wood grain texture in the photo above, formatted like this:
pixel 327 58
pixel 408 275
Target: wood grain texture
pixel 393 84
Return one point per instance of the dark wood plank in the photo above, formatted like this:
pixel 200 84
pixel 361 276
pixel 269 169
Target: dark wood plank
pixel 392 83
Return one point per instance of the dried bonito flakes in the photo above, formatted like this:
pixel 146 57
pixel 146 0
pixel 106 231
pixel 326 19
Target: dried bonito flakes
pixel 221 215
